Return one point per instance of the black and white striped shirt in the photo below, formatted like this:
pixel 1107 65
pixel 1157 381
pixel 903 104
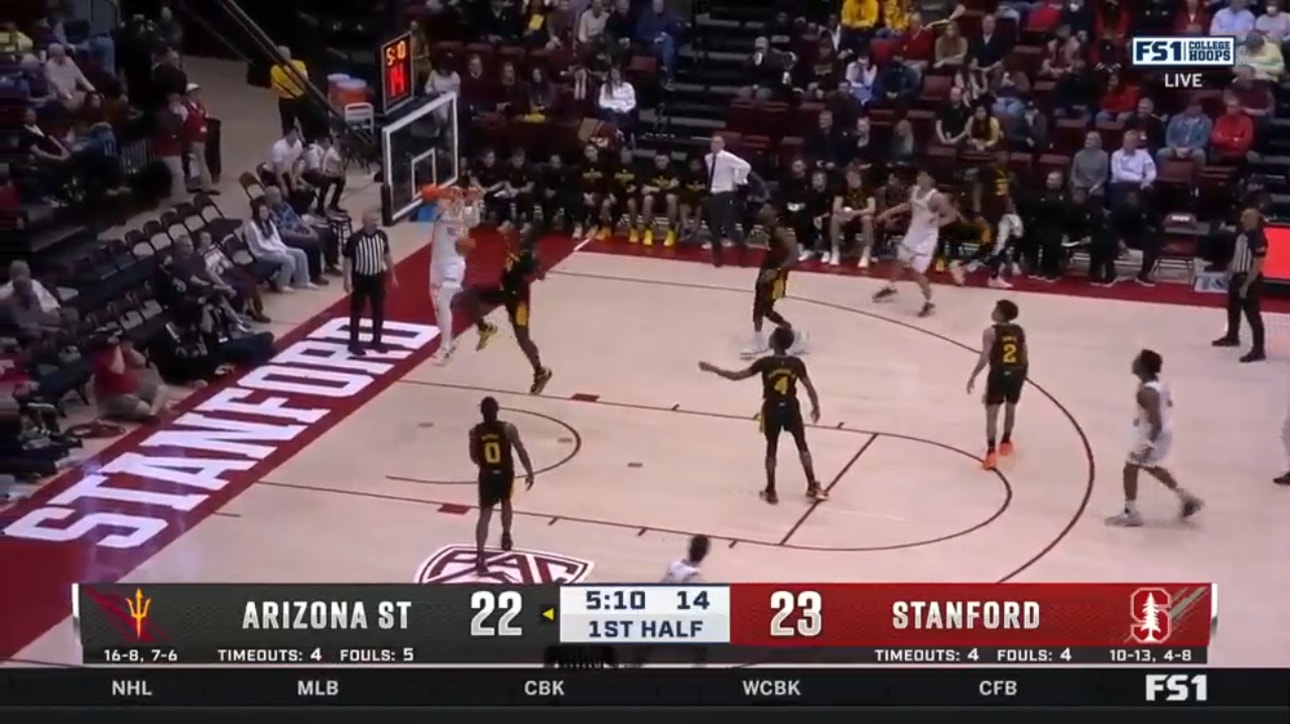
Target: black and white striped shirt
pixel 1250 245
pixel 366 252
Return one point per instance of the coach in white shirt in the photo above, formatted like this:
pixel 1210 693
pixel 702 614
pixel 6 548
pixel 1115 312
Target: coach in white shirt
pixel 1132 169
pixel 726 173
pixel 285 163
pixel 66 78
pixel 324 169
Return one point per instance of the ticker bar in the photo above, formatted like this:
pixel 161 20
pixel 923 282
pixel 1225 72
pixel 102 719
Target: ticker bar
pixel 644 687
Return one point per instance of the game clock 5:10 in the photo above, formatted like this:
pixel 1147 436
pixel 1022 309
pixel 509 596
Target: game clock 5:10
pixel 396 71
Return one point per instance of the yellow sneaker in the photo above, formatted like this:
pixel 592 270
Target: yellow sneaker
pixel 486 334
pixel 633 237
pixel 648 237
pixel 602 233
pixel 670 239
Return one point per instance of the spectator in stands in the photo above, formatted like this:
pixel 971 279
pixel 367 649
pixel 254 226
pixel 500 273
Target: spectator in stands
pixel 49 157
pixel 1029 133
pixel 496 23
pixel 168 78
pixel 939 12
pixel 951 48
pixel 1256 98
pixel 1079 19
pixel 266 244
pixel 478 91
pixel 90 34
pixel 20 271
pixel 246 291
pixel 862 76
pixel 858 20
pixel 618 100
pixel 1191 18
pixel 984 132
pixel 1233 134
pixel 1009 89
pixel 124 386
pixel 285 78
pixel 168 141
pixel 284 165
pixel 1075 90
pixel 1150 127
pixel 32 74
pixel 820 78
pixel 1264 57
pixel 169 31
pixel 195 131
pixel 42 34
pixel 559 25
pixel 512 95
pixel 1187 135
pixel 859 148
pixel 65 77
pixel 660 31
pixel 988 50
pixel 1235 20
pixel 541 96
pixel 442 79
pixel 895 16
pixel 971 83
pixel 952 119
pixel 582 95
pixel 1091 166
pixel 765 71
pixel 590 30
pixel 1132 169
pixel 620 28
pixel 1059 54
pixel 318 244
pixel 534 33
pixel 899 82
pixel 823 147
pixel 902 150
pixel 13 41
pixel 916 45
pixel 198 283
pixel 1274 24
pixel 1119 99
pixel 324 169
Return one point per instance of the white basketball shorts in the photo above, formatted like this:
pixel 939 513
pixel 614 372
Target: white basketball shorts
pixel 917 249
pixel 451 274
pixel 1159 452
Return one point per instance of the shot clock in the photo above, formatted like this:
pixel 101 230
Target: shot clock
pixel 396 72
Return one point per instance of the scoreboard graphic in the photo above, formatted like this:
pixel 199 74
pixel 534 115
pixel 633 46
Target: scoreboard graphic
pixel 942 624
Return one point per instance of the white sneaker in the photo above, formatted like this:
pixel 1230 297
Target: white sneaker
pixel 998 283
pixel 444 354
pixel 800 343
pixel 806 255
pixel 755 348
pixel 835 258
pixel 310 286
pixel 864 260
pixel 287 289
pixel 1016 269
pixel 958 273
pixel 707 246
pixel 973 266
pixel 1126 519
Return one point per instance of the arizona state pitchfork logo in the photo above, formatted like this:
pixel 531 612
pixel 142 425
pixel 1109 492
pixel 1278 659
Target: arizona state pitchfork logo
pixel 138 608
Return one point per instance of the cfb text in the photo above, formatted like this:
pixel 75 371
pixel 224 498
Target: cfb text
pixel 938 615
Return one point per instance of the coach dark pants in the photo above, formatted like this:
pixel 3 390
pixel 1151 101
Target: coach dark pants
pixel 369 290
pixel 723 220
pixel 1250 305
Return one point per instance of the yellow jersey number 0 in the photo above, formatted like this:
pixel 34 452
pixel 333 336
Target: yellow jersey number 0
pixel 493 452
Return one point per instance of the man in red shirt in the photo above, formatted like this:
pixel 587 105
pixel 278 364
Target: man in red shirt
pixel 917 44
pixel 123 388
pixel 194 132
pixel 1255 96
pixel 1233 133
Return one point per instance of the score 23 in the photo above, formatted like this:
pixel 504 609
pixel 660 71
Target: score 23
pixel 796 614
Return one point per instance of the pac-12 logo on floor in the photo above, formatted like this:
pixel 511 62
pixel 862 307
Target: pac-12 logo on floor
pixel 456 565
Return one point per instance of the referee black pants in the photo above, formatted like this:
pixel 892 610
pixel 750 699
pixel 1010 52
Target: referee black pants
pixel 1250 305
pixel 369 289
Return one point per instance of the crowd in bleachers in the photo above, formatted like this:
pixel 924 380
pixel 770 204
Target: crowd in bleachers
pixel 1039 91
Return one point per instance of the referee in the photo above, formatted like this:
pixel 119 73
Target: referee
pixel 1245 285
pixel 368 265
pixel 726 172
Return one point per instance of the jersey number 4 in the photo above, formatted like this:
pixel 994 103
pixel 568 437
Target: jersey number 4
pixel 781 385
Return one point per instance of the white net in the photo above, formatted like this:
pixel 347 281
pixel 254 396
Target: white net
pixel 419 148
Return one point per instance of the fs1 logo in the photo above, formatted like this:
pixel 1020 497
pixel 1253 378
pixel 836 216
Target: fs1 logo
pixel 1193 52
pixel 1149 608
pixel 1177 687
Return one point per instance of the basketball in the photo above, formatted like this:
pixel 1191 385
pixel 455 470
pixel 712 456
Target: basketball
pixel 465 244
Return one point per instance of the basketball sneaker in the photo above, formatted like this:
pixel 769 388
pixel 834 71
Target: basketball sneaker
pixel 486 334
pixel 540 379
pixel 1126 519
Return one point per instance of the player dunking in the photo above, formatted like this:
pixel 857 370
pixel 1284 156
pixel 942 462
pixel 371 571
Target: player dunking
pixel 493 444
pixel 772 280
pixel 512 292
pixel 928 211
pixel 1153 436
pixel 780 410
pixel 449 241
pixel 1004 351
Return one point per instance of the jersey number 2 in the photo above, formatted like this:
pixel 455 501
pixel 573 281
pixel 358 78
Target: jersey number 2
pixel 492 452
pixel 1009 353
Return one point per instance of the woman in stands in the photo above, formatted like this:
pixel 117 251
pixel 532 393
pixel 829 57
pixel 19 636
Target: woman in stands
pixel 266 243
pixel 246 292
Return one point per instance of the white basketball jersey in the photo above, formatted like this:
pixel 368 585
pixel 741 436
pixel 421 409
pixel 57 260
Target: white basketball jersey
pixel 449 230
pixel 1143 421
pixel 681 572
pixel 921 215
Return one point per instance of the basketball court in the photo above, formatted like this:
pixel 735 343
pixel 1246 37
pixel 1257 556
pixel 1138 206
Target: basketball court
pixel 320 468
